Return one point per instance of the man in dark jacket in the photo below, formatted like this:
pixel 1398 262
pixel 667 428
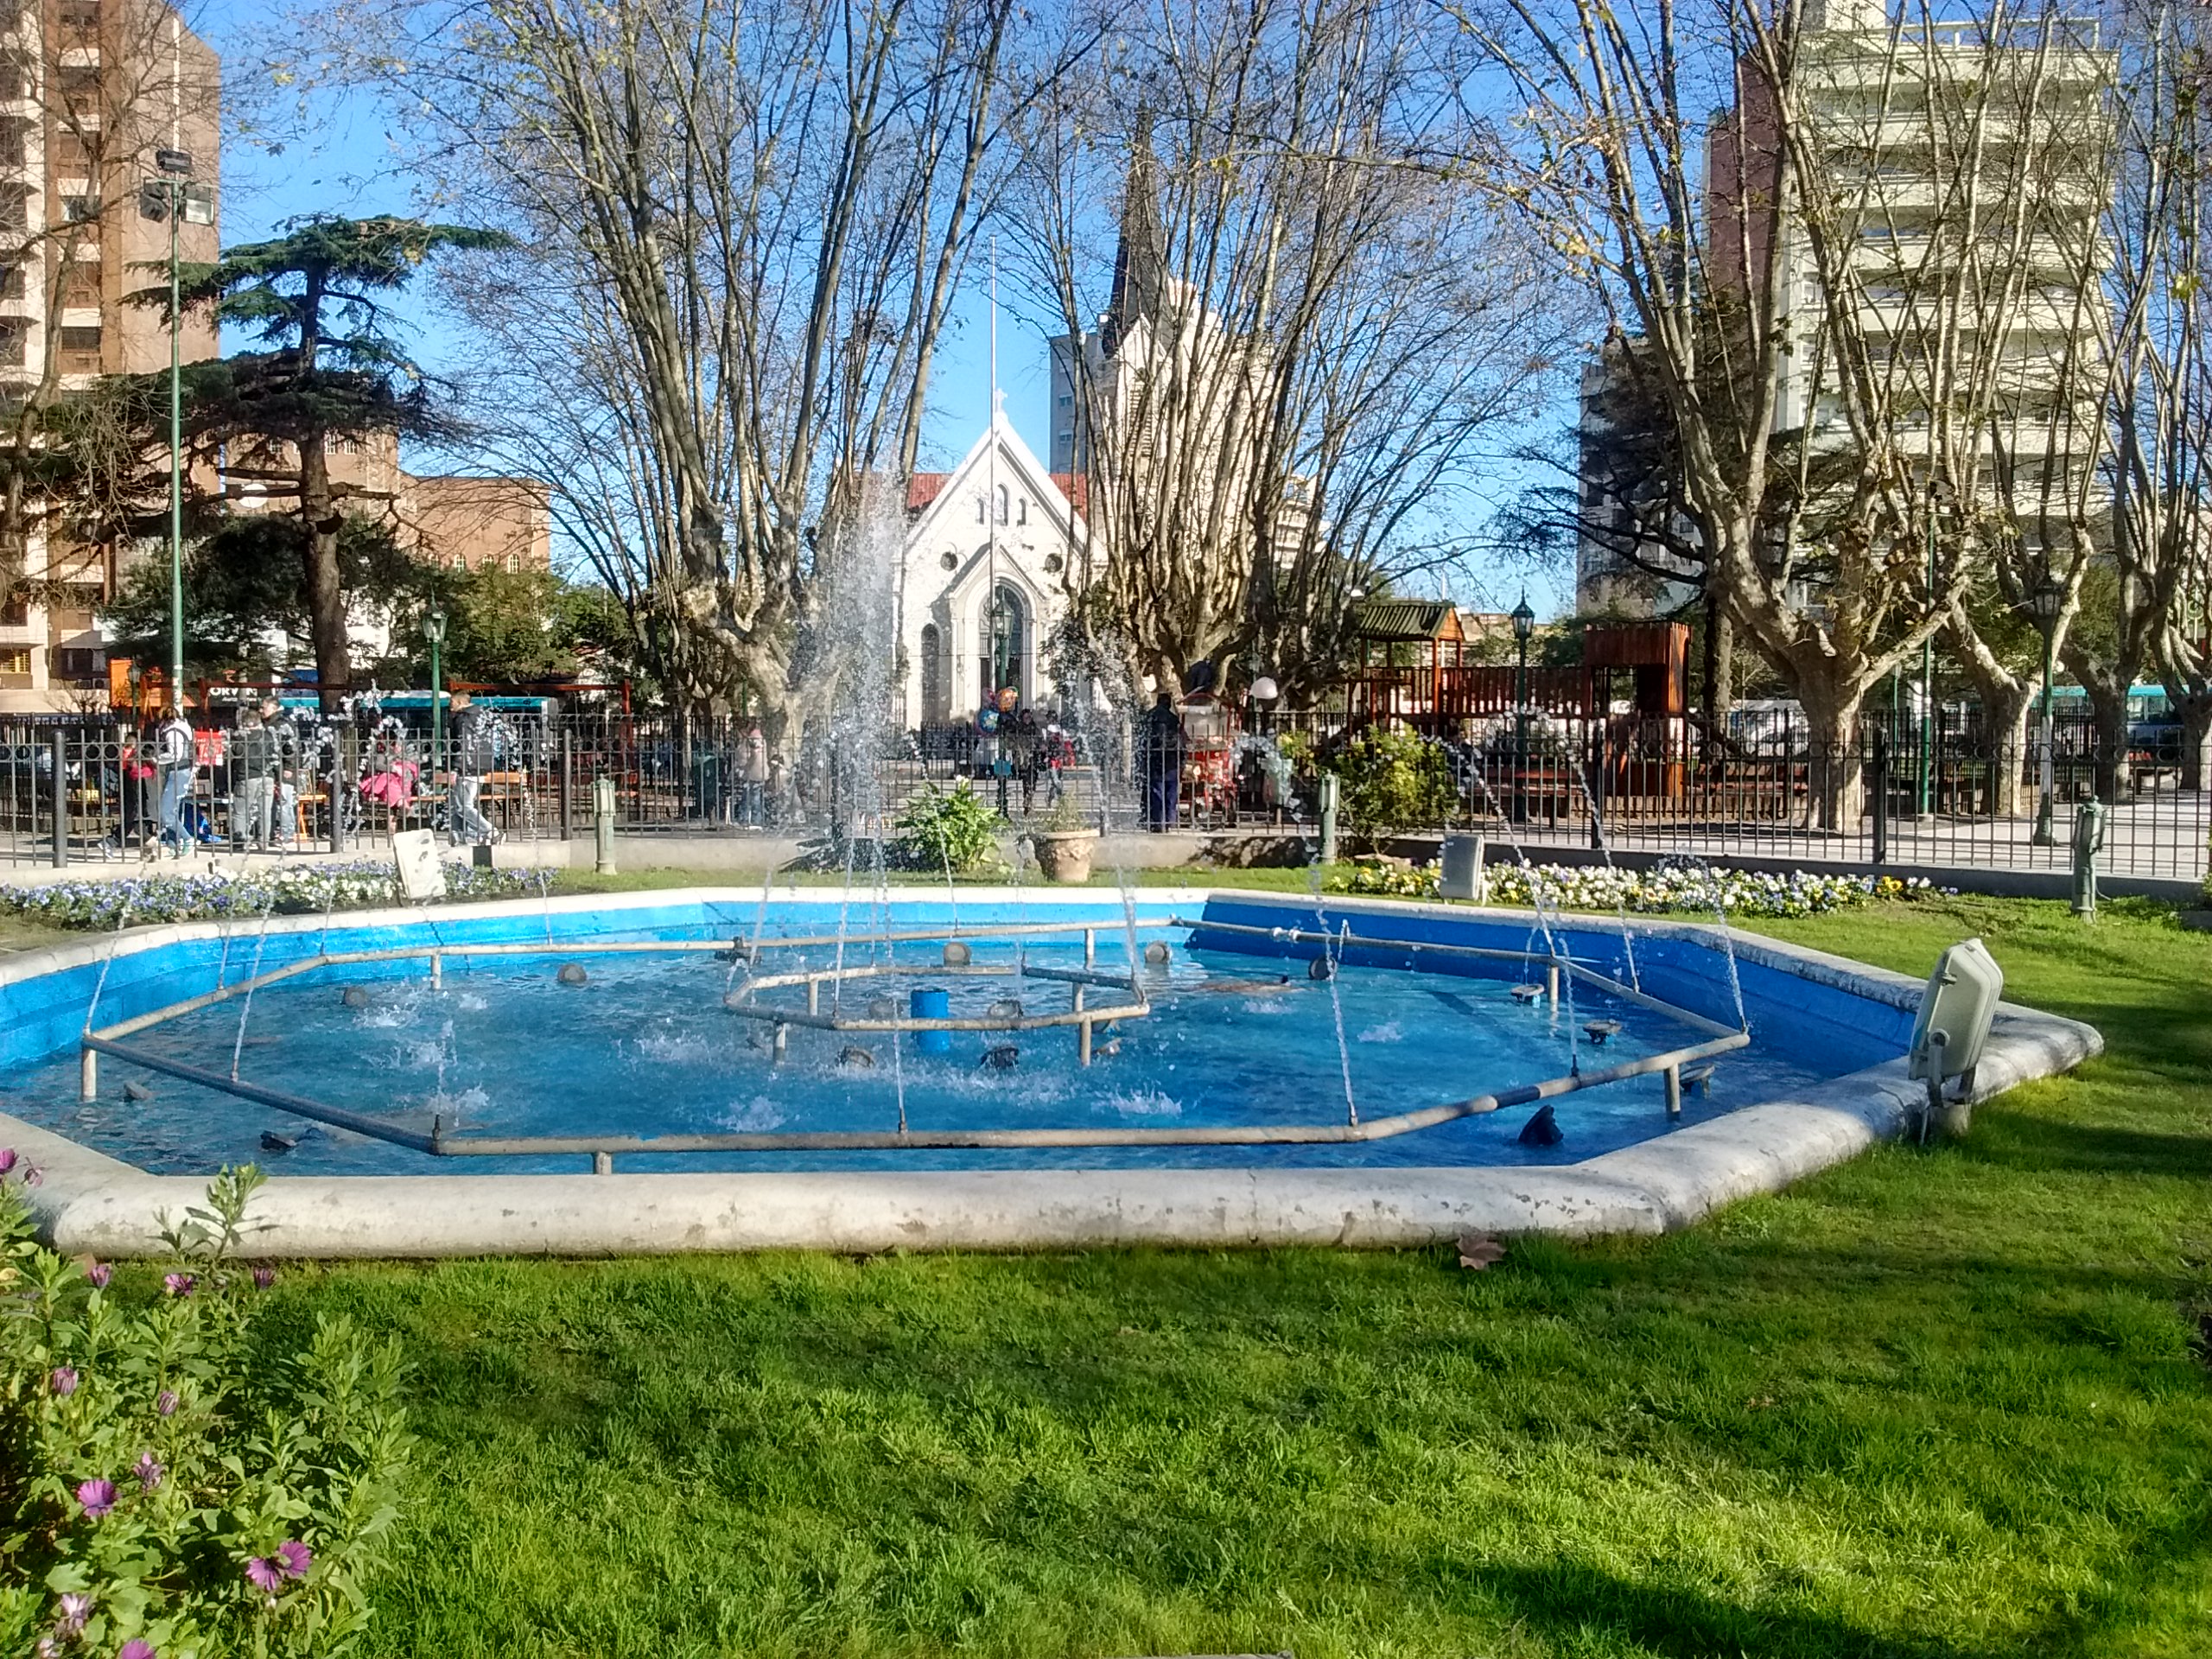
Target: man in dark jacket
pixel 1161 741
pixel 474 753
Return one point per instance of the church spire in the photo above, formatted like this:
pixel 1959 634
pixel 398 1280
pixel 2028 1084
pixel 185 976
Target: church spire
pixel 1140 260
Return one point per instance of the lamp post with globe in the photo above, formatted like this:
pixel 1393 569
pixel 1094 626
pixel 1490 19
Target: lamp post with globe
pixel 2046 604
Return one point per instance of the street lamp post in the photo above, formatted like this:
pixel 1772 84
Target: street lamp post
pixel 171 196
pixel 434 632
pixel 1524 625
pixel 2046 603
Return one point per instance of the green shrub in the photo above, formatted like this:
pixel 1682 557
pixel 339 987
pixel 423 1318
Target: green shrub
pixel 1391 782
pixel 163 1493
pixel 948 829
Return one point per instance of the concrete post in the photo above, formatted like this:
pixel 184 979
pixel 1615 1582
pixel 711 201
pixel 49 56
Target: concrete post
pixel 1328 817
pixel 59 756
pixel 1673 1091
pixel 88 1074
pixel 602 815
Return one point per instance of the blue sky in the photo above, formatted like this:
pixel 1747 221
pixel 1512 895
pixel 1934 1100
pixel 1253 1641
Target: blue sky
pixel 347 164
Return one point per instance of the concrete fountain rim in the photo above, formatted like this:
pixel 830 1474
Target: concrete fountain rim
pixel 89 1202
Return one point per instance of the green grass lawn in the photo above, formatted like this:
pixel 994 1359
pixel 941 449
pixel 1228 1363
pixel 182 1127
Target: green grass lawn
pixel 1934 1405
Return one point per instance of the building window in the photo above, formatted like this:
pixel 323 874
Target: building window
pixel 15 75
pixel 948 560
pixel 81 339
pixel 81 14
pixel 15 334
pixel 15 660
pixel 1002 504
pixel 74 663
pixel 514 564
pixel 1021 511
pixel 81 210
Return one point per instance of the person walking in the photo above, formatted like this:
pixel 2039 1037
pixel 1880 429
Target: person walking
pixel 1162 741
pixel 253 783
pixel 1025 747
pixel 475 753
pixel 176 759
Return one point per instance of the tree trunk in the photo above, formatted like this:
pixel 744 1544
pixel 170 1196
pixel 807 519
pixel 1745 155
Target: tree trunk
pixel 2108 709
pixel 2196 733
pixel 1719 665
pixel 326 591
pixel 2013 757
pixel 1835 781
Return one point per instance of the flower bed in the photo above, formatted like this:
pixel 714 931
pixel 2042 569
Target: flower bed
pixel 1667 886
pixel 181 898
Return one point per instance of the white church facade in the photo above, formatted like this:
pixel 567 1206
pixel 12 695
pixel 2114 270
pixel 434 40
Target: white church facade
pixel 1000 522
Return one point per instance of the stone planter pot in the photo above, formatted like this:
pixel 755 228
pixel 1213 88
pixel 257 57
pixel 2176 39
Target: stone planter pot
pixel 1065 855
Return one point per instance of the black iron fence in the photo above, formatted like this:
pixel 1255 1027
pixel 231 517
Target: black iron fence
pixel 76 791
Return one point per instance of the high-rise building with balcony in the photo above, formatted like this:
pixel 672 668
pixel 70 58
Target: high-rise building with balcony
pixel 96 98
pixel 1955 224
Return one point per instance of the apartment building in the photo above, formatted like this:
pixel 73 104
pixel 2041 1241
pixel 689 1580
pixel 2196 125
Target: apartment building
pixel 95 96
pixel 1961 175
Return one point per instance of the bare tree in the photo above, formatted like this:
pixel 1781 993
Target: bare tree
pixel 742 231
pixel 1824 263
pixel 2136 605
pixel 1308 332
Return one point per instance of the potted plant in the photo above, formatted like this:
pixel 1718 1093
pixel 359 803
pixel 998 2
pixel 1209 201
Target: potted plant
pixel 1064 844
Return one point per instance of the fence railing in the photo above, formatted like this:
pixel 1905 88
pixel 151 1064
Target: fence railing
pixel 75 790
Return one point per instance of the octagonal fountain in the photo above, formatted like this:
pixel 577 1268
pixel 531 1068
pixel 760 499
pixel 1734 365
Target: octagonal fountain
pixel 713 1070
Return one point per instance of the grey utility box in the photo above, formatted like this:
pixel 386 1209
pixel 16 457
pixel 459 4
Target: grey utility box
pixel 1463 875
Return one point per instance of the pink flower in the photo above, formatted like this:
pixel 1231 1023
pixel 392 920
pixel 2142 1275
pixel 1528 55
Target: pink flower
pixel 76 1608
pixel 178 1284
pixel 97 1496
pixel 297 1557
pixel 7 1159
pixel 265 1575
pixel 263 1277
pixel 149 1472
pixel 98 1272
pixel 136 1648
pixel 64 1381
pixel 165 1403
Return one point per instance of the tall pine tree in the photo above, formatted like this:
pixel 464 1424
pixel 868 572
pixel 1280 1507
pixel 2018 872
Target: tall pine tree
pixel 333 368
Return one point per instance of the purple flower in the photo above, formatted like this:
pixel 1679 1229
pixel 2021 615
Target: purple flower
pixel 149 1472
pixel 263 1277
pixel 33 1175
pixel 98 1272
pixel 297 1557
pixel 165 1403
pixel 64 1380
pixel 136 1648
pixel 76 1608
pixel 265 1575
pixel 7 1159
pixel 97 1496
pixel 178 1284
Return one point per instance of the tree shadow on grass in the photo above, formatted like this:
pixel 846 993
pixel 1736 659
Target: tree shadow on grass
pixel 1571 1601
pixel 2046 1145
